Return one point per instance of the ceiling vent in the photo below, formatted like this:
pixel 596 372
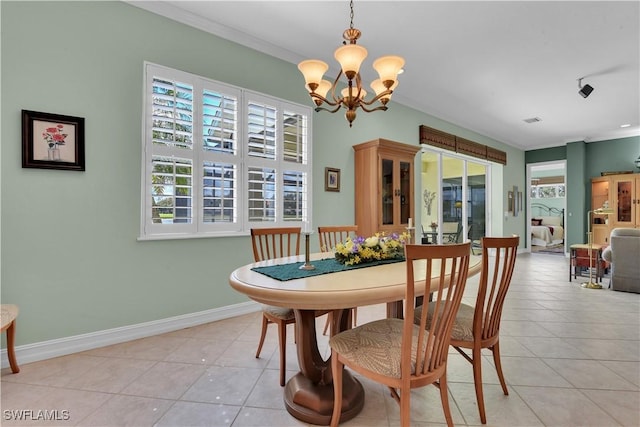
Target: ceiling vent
pixel 533 120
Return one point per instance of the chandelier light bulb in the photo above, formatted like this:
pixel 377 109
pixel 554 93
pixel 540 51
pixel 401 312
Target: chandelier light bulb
pixel 345 93
pixel 388 68
pixel 323 88
pixel 313 70
pixel 379 87
pixel 350 57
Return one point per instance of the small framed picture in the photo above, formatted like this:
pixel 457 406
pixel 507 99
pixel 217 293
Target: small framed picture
pixel 331 179
pixel 52 141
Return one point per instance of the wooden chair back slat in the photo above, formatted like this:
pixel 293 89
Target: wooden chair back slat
pixel 498 262
pixel 330 236
pixel 275 242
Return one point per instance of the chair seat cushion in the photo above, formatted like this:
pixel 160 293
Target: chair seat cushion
pixel 463 325
pixel 375 346
pixel 279 312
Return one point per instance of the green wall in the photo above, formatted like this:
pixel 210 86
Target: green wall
pixel 576 196
pixel 586 161
pixel 545 155
pixel 613 155
pixel 69 254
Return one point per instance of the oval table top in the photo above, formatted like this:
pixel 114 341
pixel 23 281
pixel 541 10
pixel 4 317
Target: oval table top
pixel 343 289
pixel 8 313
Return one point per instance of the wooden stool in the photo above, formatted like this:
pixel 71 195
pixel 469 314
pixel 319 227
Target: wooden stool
pixel 8 323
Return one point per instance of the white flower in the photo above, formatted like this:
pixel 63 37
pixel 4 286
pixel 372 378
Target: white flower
pixel 371 241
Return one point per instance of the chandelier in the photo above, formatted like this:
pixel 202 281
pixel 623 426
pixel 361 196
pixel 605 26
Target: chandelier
pixel 350 56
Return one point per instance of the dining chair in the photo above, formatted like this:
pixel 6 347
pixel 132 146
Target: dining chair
pixel 477 327
pixel 269 243
pixel 476 244
pixel 397 352
pixel 455 232
pixel 329 237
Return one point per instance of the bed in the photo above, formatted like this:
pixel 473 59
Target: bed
pixel 547 225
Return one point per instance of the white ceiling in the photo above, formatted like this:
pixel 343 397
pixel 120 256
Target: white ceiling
pixel 485 66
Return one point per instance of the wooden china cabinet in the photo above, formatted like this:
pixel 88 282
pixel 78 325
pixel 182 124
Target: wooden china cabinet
pixel 384 186
pixel 623 194
pixel 626 200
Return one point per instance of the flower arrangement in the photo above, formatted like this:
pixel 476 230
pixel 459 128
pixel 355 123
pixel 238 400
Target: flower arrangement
pixel 433 225
pixel 53 136
pixel 375 248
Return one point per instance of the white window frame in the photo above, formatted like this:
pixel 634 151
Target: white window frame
pixel 441 153
pixel 242 161
pixel 557 188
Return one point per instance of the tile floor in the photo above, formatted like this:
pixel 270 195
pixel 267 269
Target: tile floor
pixel 571 357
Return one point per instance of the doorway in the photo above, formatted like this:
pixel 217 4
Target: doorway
pixel 455 196
pixel 546 207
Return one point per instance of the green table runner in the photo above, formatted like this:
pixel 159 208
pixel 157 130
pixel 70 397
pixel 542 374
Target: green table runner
pixel 284 272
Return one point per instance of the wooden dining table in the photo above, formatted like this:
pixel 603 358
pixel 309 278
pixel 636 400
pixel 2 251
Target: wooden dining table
pixel 308 395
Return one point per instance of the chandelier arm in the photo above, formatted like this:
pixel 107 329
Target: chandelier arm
pixel 336 100
pixel 358 85
pixel 318 109
pixel 376 98
pixel 370 110
pixel 315 96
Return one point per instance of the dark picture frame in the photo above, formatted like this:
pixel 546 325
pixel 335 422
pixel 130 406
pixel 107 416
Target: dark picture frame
pixel 52 141
pixel 331 179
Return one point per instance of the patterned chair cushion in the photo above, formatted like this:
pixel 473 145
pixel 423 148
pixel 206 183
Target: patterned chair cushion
pixel 279 312
pixel 375 346
pixel 463 325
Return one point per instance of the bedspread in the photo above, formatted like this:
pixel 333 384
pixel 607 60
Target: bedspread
pixel 545 235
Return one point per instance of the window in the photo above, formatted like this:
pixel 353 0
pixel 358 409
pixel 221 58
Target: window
pixel 547 191
pixel 219 160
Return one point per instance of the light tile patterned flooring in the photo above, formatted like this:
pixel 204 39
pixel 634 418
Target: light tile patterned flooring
pixel 571 357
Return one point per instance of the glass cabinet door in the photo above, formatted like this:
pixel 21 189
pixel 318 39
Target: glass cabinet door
pixel 396 191
pixel 623 195
pixel 405 192
pixel 388 191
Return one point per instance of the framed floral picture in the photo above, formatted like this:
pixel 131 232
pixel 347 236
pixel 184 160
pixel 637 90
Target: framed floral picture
pixel 52 141
pixel 331 179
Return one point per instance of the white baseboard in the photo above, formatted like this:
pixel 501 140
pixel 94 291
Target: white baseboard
pixel 60 347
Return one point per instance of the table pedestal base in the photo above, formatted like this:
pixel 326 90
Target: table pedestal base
pixel 313 403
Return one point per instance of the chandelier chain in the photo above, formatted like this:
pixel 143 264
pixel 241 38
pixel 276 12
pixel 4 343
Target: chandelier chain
pixel 351 16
